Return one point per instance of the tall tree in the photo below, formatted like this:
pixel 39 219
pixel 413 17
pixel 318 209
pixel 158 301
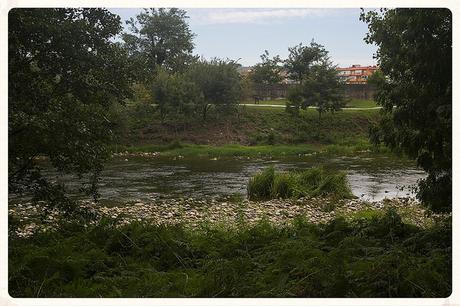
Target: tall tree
pixel 415 56
pixel 61 68
pixel 268 71
pixel 317 80
pixel 159 38
pixel 219 83
pixel 302 58
pixel 266 74
pixel 174 95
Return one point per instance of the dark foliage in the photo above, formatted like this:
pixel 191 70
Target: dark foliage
pixel 373 257
pixel 158 38
pixel 317 82
pixel 415 90
pixel 61 85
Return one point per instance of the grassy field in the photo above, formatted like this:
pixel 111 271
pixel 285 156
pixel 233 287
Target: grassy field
pixel 370 256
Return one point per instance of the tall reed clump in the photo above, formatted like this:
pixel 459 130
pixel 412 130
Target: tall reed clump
pixel 261 184
pixel 269 184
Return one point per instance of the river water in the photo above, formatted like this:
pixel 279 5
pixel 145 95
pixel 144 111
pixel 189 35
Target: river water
pixel 141 179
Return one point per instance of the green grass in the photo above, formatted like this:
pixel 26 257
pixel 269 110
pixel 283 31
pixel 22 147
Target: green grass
pixel 379 256
pixel 361 103
pixel 269 184
pixel 234 150
pixel 260 126
pixel 343 127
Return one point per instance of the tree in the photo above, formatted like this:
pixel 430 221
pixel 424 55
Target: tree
pixel 159 38
pixel 317 81
pixel 302 58
pixel 219 83
pixel 415 57
pixel 266 74
pixel 174 95
pixel 61 68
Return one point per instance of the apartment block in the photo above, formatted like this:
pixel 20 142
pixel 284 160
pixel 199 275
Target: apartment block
pixel 356 74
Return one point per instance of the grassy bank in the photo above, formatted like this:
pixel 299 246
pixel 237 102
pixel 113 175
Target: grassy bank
pixel 257 126
pixel 376 256
pixel 235 150
pixel 257 132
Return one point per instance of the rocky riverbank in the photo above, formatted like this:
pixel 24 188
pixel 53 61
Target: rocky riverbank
pixel 191 212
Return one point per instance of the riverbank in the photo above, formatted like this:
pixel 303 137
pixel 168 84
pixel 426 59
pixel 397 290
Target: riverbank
pixel 178 149
pixel 364 252
pixel 254 126
pixel 229 210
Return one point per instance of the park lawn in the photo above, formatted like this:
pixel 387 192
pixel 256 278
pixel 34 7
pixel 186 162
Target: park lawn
pixel 268 102
pixel 361 103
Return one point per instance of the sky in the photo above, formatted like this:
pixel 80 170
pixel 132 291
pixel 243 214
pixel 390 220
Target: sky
pixel 244 34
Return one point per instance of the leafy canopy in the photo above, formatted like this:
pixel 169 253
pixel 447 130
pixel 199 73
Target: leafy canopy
pixel 317 82
pixel 62 64
pixel 219 83
pixel 268 72
pixel 302 58
pixel 159 37
pixel 415 90
pixel 174 95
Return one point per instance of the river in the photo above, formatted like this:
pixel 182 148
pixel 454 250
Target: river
pixel 140 179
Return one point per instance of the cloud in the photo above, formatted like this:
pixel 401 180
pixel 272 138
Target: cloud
pixel 252 16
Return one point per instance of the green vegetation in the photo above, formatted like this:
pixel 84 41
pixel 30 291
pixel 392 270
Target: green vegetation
pixel 416 94
pixel 263 76
pixel 60 95
pixel 175 149
pixel 150 45
pixel 318 82
pixel 219 86
pixel 72 100
pixel 307 183
pixel 253 126
pixel 375 256
pixel 361 103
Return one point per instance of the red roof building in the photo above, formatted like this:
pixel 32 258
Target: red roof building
pixel 356 74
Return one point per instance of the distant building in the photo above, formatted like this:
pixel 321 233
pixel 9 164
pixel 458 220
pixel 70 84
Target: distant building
pixel 244 71
pixel 356 74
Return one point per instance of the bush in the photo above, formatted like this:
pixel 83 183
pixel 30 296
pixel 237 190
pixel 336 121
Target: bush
pixel 307 183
